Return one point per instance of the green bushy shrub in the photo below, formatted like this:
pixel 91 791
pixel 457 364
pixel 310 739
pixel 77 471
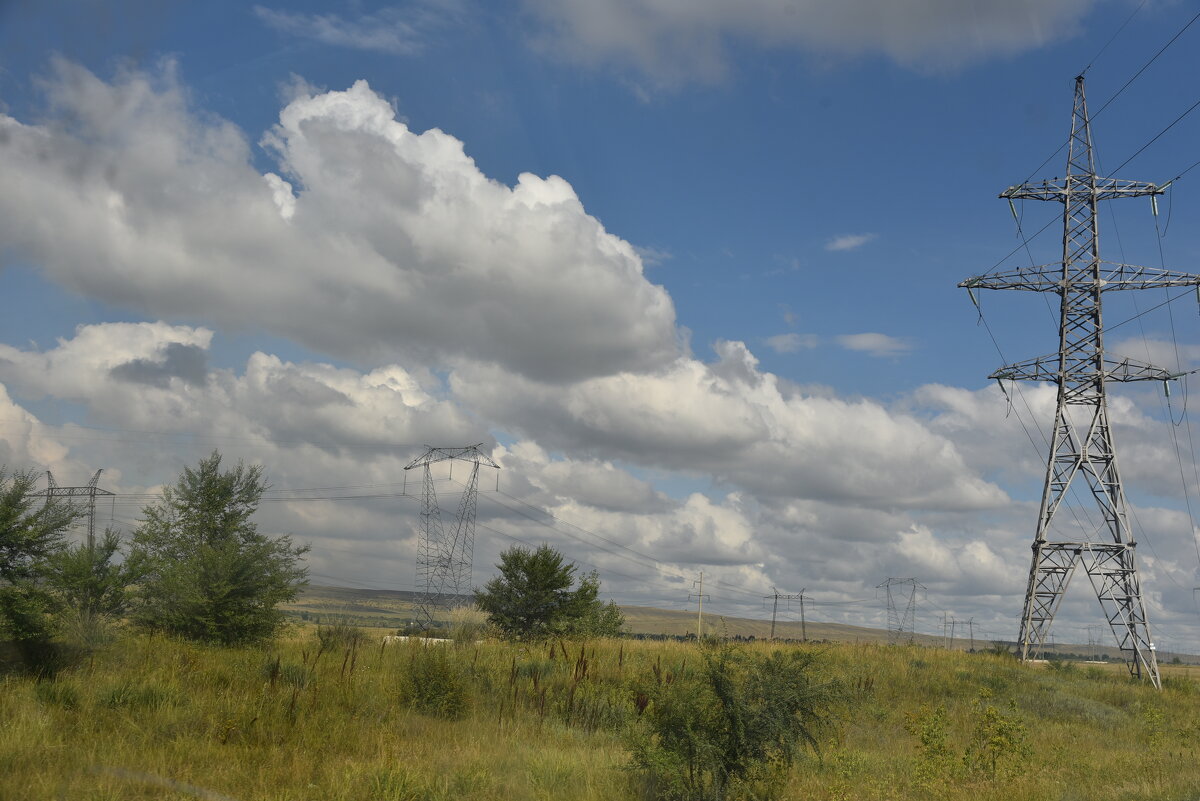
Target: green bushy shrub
pixel 433 684
pixel 733 728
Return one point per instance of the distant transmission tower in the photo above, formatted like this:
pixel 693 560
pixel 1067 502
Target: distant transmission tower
pixel 444 561
pixel 778 596
pixel 901 622
pixel 1082 445
pixel 90 491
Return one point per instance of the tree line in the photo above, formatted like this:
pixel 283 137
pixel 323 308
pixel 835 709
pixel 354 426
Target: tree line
pixel 197 567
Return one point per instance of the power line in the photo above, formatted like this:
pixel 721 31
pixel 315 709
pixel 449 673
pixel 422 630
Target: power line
pixel 1159 135
pixel 1112 38
pixel 1124 86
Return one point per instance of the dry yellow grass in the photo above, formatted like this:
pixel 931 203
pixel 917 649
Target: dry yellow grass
pixel 148 718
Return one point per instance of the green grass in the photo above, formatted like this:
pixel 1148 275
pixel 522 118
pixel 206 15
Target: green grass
pixel 148 718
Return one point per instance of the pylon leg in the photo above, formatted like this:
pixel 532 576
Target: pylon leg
pixel 1113 574
pixel 1049 575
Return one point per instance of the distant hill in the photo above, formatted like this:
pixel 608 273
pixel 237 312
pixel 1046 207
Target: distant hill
pixel 392 609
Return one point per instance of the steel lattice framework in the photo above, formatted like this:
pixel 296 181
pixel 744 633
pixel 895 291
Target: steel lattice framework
pixel 444 560
pixel 900 622
pixel 1081 445
pixel 90 491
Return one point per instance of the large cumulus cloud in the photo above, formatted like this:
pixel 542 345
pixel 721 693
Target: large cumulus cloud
pixel 730 420
pixel 376 243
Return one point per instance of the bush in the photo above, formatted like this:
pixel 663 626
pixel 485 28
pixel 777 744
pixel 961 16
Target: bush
pixel 467 624
pixel 734 726
pixel 999 743
pixel 58 693
pixel 432 683
pixel 339 636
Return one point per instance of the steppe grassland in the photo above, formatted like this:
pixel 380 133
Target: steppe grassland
pixel 148 718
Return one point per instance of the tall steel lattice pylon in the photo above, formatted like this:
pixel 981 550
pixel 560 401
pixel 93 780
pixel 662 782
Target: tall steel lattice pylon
pixel 444 560
pixel 1081 444
pixel 900 622
pixel 90 491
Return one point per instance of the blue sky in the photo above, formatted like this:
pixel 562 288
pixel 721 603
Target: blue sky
pixel 727 335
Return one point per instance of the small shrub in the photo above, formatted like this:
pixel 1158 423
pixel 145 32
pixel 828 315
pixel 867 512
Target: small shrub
pixel 1000 648
pixel 340 636
pixel 432 683
pixel 128 695
pixel 294 675
pixel 931 727
pixel 999 742
pixel 467 624
pixel 58 693
pixel 733 728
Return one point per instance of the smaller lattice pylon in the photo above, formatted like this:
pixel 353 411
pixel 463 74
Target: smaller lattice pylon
pixel 444 559
pixel 901 622
pixel 89 491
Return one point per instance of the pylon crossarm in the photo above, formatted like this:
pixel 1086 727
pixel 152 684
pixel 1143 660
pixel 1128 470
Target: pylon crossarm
pixel 1063 189
pixel 1112 276
pixel 1049 368
pixel 470 453
pixel 70 492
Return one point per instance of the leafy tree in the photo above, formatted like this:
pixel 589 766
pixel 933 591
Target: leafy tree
pixel 589 616
pixel 532 597
pixel 205 572
pixel 89 585
pixel 31 531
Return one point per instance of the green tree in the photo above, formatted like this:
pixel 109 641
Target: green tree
pixel 31 531
pixel 205 572
pixel 533 597
pixel 90 586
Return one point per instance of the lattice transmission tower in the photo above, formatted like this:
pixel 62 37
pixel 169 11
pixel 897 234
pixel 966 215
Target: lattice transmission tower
pixel 901 622
pixel 1081 446
pixel 89 491
pixel 444 559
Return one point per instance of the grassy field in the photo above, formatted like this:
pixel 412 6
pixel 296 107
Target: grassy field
pixel 148 718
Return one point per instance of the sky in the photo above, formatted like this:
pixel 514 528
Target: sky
pixel 687 271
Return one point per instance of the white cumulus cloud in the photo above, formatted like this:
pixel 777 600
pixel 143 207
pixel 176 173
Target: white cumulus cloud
pixel 377 242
